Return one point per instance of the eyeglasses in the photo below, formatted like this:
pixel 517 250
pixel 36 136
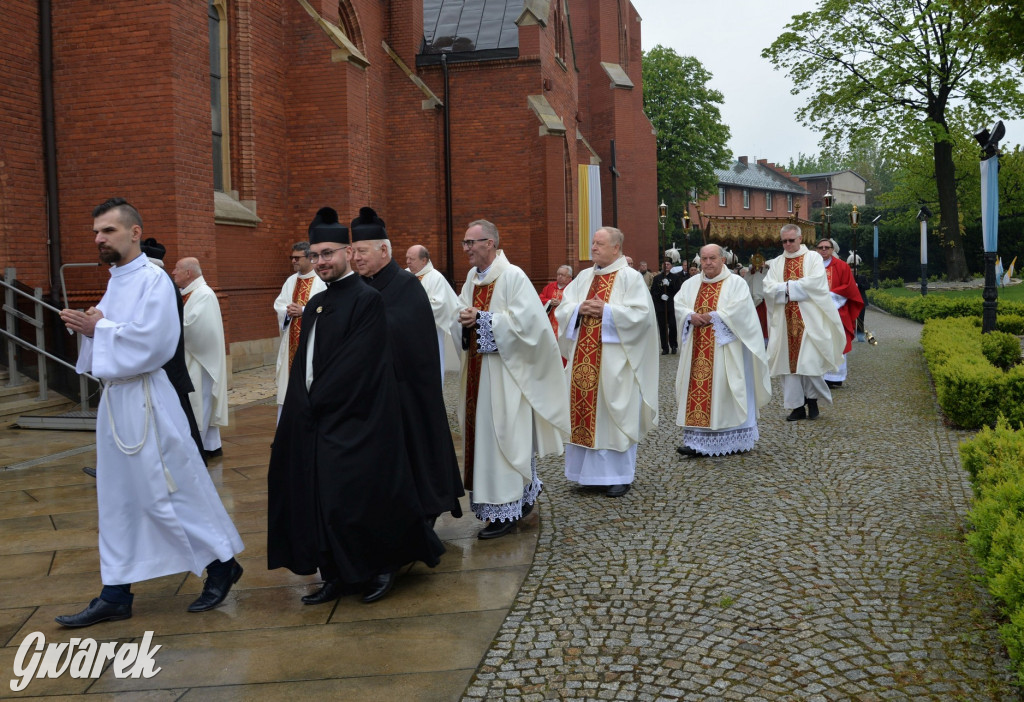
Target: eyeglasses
pixel 296 258
pixel 468 243
pixel 326 254
pixel 790 241
pixel 826 247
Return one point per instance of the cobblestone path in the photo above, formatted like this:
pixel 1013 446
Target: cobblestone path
pixel 826 564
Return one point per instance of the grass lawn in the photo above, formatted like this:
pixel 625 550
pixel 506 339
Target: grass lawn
pixel 1014 293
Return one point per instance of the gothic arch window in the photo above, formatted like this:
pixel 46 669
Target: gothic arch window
pixel 623 39
pixel 350 23
pixel 559 22
pixel 218 28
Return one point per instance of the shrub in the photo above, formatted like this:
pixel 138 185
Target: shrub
pixel 891 283
pixel 921 308
pixel 971 391
pixel 994 459
pixel 1001 349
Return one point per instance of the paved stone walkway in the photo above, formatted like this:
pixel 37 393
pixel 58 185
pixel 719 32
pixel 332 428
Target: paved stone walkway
pixel 826 564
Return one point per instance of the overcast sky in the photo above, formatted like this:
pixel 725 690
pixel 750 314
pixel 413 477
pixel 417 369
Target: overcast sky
pixel 727 36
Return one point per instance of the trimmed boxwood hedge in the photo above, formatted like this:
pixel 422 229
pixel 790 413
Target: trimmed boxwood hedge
pixel 922 308
pixel 994 459
pixel 971 391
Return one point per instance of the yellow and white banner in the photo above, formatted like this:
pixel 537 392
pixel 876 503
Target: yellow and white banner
pixel 590 207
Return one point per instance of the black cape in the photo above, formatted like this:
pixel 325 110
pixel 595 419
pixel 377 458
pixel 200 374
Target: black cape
pixel 339 484
pixel 428 438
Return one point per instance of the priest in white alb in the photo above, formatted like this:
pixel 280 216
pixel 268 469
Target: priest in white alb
pixel 301 285
pixel 723 379
pixel 513 406
pixel 608 316
pixel 205 354
pixel 444 303
pixel 805 334
pixel 158 511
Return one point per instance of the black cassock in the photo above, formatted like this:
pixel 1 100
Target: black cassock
pixel 339 484
pixel 428 438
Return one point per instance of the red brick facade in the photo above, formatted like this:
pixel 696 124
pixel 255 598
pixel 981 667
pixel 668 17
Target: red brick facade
pixel 132 96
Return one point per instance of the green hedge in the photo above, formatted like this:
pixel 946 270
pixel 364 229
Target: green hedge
pixel 921 308
pixel 995 461
pixel 971 391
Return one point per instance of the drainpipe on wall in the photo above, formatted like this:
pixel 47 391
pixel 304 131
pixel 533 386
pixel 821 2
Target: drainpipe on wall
pixel 50 148
pixel 450 242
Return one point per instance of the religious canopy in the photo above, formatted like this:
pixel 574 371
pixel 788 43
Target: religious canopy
pixel 751 232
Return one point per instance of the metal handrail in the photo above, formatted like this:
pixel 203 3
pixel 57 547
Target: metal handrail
pixel 13 314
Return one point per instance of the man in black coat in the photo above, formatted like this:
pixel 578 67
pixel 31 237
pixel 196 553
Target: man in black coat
pixel 663 288
pixel 341 495
pixel 428 438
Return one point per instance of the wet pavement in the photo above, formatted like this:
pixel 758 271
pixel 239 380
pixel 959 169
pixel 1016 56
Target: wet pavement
pixel 826 564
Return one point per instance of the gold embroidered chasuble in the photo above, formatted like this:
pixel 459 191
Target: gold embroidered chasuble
pixel 699 391
pixel 586 367
pixel 300 296
pixel 481 301
pixel 794 270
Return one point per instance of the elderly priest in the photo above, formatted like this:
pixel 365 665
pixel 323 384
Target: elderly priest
pixel 723 377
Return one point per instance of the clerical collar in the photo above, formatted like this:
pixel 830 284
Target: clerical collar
pixel 481 274
pixel 350 272
pixel 305 276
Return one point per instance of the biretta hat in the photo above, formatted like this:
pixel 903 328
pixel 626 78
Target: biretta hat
pixel 325 227
pixel 154 250
pixel 368 226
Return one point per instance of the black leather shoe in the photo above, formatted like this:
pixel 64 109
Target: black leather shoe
pixel 496 529
pixel 91 472
pixel 686 451
pixel 328 592
pixel 216 588
pixel 798 413
pixel 834 383
pixel 812 409
pixel 664 352
pixel 617 490
pixel 378 587
pixel 216 452
pixel 526 509
pixel 97 611
pixel 675 351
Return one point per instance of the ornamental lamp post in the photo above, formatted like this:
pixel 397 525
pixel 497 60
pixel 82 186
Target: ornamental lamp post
pixel 922 216
pixel 826 213
pixel 686 233
pixel 854 223
pixel 874 255
pixel 989 142
pixel 662 215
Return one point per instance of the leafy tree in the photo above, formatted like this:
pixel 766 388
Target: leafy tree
pixel 865 157
pixel 691 137
pixel 1002 30
pixel 891 70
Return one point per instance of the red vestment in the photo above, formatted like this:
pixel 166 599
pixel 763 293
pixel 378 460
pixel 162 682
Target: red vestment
pixel 841 282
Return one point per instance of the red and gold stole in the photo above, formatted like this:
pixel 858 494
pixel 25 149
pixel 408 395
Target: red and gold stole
pixel 300 296
pixel 702 362
pixel 586 368
pixel 481 301
pixel 184 298
pixel 557 295
pixel 828 274
pixel 794 320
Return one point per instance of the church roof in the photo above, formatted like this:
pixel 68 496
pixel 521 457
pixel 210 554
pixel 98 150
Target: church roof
pixel 470 30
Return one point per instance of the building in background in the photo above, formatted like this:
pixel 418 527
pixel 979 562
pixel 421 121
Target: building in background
pixel 847 187
pixel 229 123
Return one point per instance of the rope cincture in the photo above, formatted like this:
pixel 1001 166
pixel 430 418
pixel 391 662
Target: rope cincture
pixel 132 450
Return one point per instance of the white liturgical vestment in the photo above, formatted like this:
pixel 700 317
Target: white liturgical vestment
pixel 206 360
pixel 159 512
pixel 729 374
pixel 284 325
pixel 444 303
pixel 625 406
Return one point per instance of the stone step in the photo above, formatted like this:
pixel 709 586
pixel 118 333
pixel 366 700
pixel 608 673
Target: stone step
pixel 24 399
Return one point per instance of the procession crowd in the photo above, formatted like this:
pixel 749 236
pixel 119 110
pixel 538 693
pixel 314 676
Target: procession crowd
pixel 362 461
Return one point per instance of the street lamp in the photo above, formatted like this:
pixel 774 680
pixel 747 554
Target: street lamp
pixel 874 255
pixel 662 214
pixel 854 223
pixel 989 141
pixel 922 216
pixel 826 213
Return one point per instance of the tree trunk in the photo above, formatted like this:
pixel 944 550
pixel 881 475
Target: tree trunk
pixel 949 223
